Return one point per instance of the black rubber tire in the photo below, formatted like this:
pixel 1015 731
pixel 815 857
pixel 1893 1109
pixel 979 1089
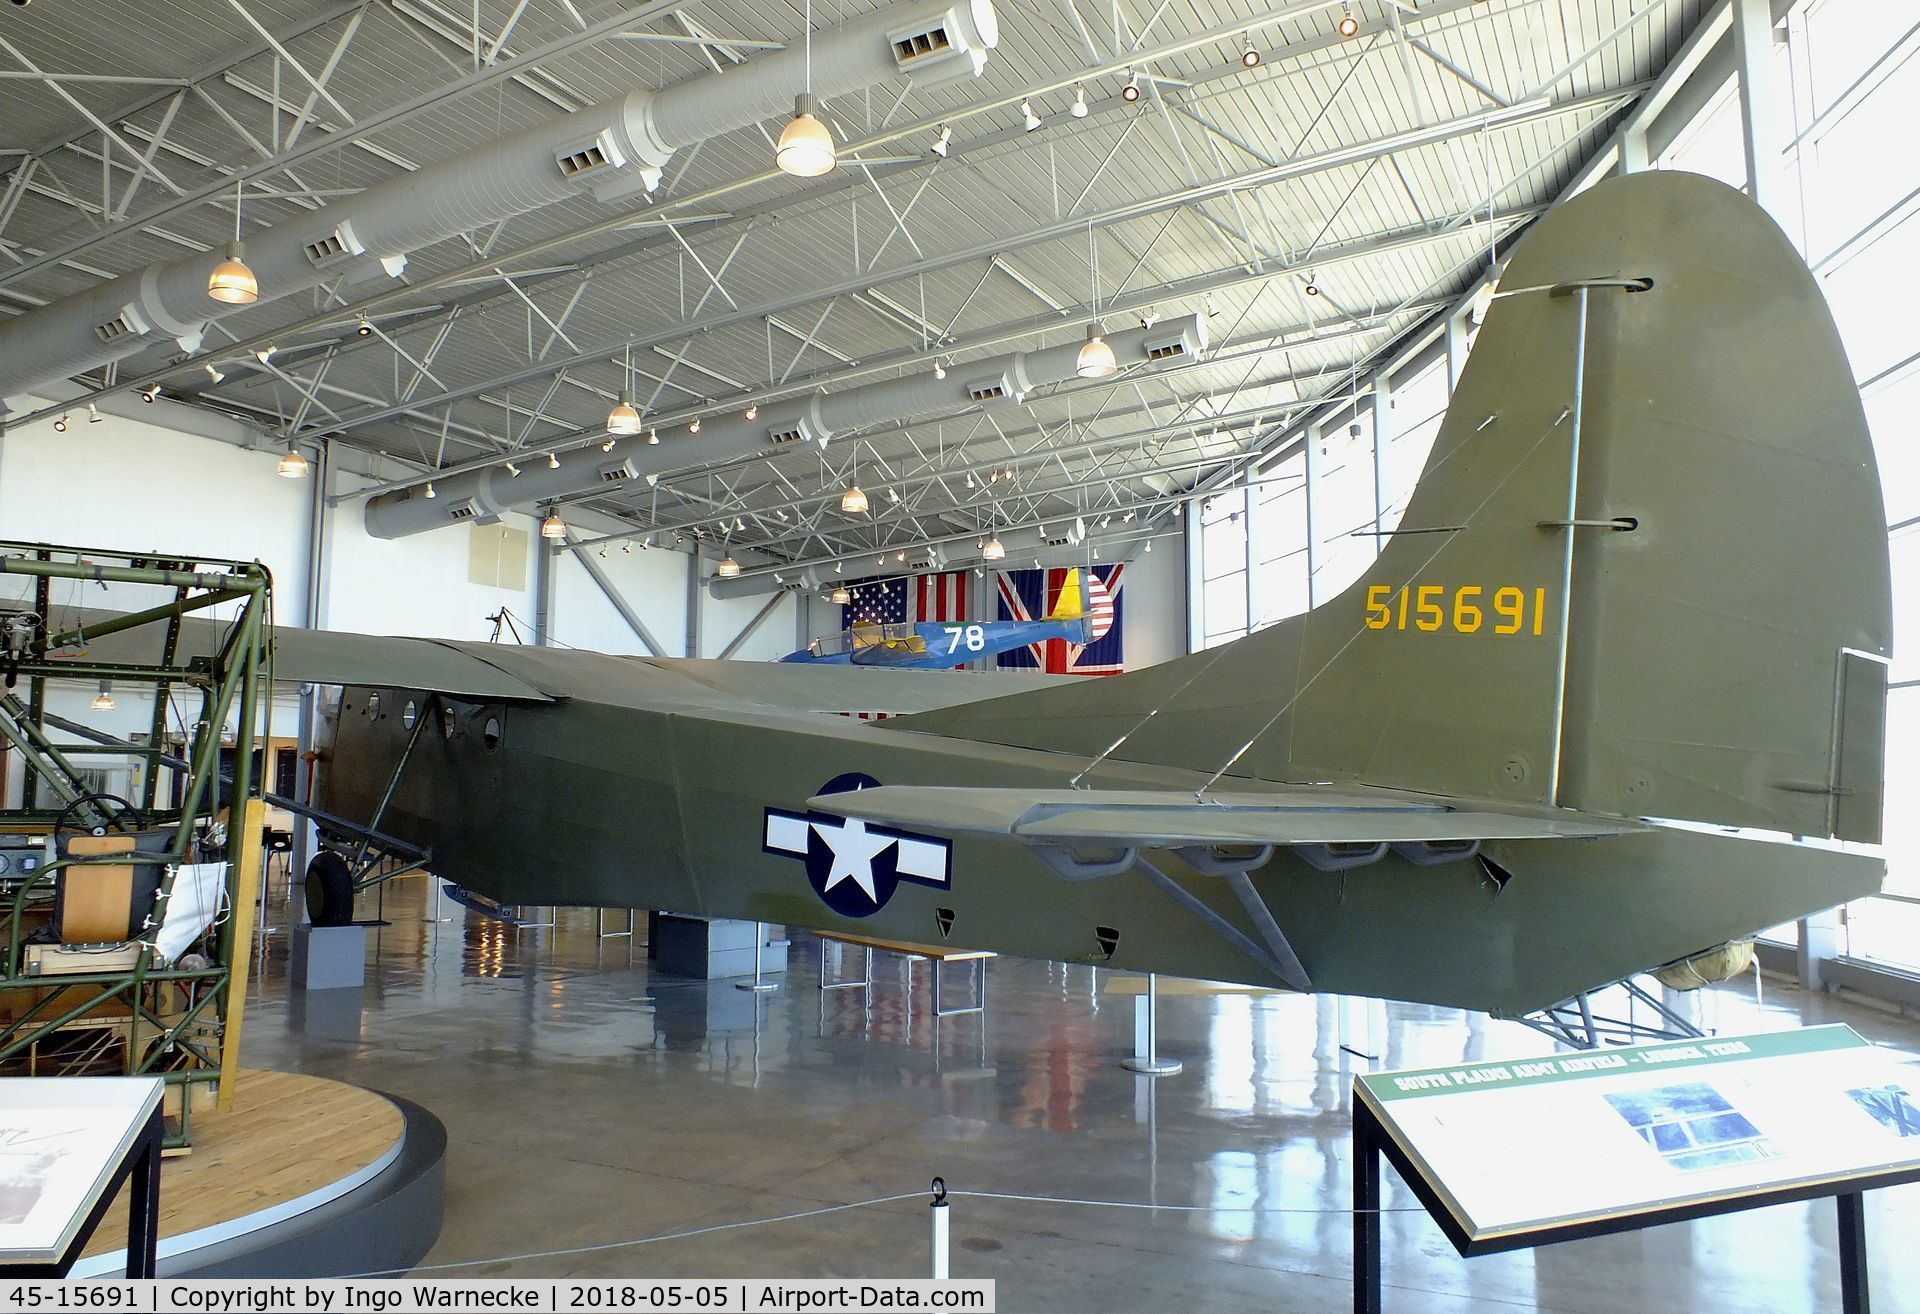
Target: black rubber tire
pixel 329 890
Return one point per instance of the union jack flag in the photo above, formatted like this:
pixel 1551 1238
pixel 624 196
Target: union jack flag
pixel 1031 594
pixel 941 597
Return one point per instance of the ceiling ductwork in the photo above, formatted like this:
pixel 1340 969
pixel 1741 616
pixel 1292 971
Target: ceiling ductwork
pixel 818 418
pixel 614 151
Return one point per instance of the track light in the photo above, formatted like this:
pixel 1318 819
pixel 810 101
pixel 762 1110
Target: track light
pixel 939 369
pixel 1249 57
pixel 292 465
pixel 993 549
pixel 1151 318
pixel 900 556
pixel 430 493
pixel 893 495
pixel 149 393
pixel 231 281
pixel 1026 113
pixel 841 596
pixel 1206 304
pixel 553 526
pixel 364 328
pixel 1096 360
pixel 1349 25
pixel 93 414
pixel 1311 288
pixel 214 373
pixel 653 437
pixel 1149 545
pixel 264 354
pixel 607 446
pixel 623 420
pixel 60 425
pixel 103 701
pixel 1079 102
pixel 806 146
pixel 1131 92
pixel 727 568
pixel 943 141
pixel 513 471
pixel 752 412
pixel 553 460
pixel 694 425
pixel 853 502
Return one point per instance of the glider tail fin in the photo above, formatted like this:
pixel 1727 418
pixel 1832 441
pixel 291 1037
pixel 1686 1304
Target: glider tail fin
pixel 1644 572
pixel 1071 605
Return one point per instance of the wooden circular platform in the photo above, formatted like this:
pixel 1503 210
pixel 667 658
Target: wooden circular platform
pixel 290 1150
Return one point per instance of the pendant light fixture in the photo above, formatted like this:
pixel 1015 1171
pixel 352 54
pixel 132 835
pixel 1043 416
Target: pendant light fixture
pixel 728 567
pixel 293 465
pixel 623 421
pixel 231 281
pixel 1096 359
pixel 842 596
pixel 805 149
pixel 553 526
pixel 853 502
pixel 103 701
pixel 993 549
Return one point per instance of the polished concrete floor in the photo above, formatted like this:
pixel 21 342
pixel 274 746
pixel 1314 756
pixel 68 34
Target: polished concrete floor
pixel 592 1105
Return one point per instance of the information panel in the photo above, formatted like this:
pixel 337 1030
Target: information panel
pixel 1536 1144
pixel 60 1140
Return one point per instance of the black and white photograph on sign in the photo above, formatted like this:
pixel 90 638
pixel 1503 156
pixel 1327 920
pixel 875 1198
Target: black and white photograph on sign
pixel 26 1160
pixel 1692 1126
pixel 1891 1106
pixel 37 1161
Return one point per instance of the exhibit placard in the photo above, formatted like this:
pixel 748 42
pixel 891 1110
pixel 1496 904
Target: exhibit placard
pixel 61 1138
pixel 1534 1145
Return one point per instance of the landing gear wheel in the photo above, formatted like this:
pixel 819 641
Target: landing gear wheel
pixel 329 890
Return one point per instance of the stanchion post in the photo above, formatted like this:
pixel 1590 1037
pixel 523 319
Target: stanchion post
pixel 757 985
pixel 1146 1058
pixel 942 1215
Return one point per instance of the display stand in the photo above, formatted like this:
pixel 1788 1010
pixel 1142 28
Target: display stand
pixel 1709 1177
pixel 122 1133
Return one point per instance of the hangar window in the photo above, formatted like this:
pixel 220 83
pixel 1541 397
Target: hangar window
pixel 409 714
pixel 490 733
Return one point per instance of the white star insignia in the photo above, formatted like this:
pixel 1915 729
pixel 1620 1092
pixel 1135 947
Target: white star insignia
pixel 854 849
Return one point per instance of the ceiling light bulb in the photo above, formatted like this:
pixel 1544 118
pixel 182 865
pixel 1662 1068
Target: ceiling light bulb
pixel 553 526
pixel 1026 113
pixel 970 481
pixel 430 493
pixel 1312 288
pixel 1349 25
pixel 264 354
pixel 806 147
pixel 1176 510
pixel 893 495
pixel 293 465
pixel 60 425
pixel 231 281
pixel 607 446
pixel 853 502
pixel 944 141
pixel 1149 546
pixel 694 425
pixel 728 568
pixel 93 414
pixel 1096 360
pixel 149 393
pixel 753 411
pixel 939 369
pixel 364 328
pixel 214 373
pixel 994 549
pixel 103 701
pixel 1079 102
pixel 553 460
pixel 653 437
pixel 1131 92
pixel 899 556
pixel 623 419
pixel 513 471
pixel 841 596
pixel 1249 57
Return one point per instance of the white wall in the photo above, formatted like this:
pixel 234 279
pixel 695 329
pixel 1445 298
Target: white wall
pixel 723 618
pixel 1154 612
pixel 418 585
pixel 653 582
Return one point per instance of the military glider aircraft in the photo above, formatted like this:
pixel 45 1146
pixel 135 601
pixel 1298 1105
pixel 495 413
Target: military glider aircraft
pixel 1612 693
pixel 1078 616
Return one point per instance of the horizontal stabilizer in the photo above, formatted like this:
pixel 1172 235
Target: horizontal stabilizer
pixel 1175 818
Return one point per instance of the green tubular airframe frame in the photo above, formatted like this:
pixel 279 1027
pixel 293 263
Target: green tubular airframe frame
pixel 177 1018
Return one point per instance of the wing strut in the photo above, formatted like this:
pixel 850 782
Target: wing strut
pixel 1277 956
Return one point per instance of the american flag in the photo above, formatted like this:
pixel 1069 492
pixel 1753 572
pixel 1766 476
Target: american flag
pixel 941 597
pixel 1031 594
